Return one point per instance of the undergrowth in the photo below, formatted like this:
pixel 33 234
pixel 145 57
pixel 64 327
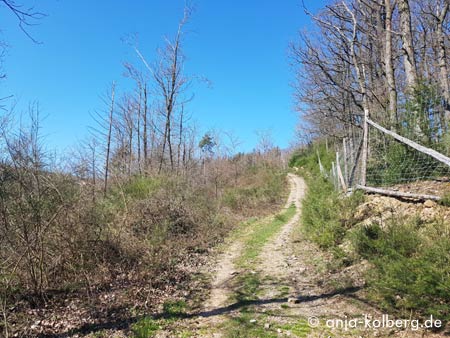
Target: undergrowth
pixel 409 260
pixel 150 227
pixel 259 187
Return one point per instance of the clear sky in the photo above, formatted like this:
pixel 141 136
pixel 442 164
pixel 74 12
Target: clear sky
pixel 240 46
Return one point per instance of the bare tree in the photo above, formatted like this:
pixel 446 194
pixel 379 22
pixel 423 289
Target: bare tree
pixel 170 83
pixel 108 138
pixel 27 17
pixel 389 63
pixel 440 17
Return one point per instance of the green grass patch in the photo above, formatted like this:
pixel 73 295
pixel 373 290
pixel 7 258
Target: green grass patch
pixel 174 308
pixel 247 287
pixel 283 290
pixel 263 232
pixel 145 328
pixel 241 326
pixel 148 326
pixel 299 328
pixel 445 200
pixel 327 216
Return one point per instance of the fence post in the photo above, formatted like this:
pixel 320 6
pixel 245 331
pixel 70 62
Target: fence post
pixel 351 154
pixel 364 148
pixel 322 170
pixel 333 174
pixel 339 173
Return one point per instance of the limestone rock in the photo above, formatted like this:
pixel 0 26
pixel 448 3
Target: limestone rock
pixel 429 204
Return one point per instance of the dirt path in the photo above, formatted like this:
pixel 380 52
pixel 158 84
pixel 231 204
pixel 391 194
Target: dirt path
pixel 274 255
pixel 221 288
pixel 284 277
pixel 283 288
pixel 224 284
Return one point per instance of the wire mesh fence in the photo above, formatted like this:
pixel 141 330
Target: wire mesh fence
pixel 392 163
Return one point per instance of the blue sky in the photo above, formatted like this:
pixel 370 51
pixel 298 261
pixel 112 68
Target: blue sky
pixel 240 46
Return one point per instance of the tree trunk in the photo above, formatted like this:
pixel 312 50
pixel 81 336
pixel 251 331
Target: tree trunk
pixel 389 66
pixel 180 140
pixel 138 130
pixel 108 141
pixel 407 43
pixel 442 60
pixel 144 132
pixel 130 146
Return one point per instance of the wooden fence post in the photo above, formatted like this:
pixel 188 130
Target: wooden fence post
pixel 364 148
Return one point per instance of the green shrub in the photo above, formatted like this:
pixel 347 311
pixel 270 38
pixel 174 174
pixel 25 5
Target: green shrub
pixel 411 267
pixel 307 159
pixel 445 200
pixel 326 215
pixel 320 214
pixel 141 187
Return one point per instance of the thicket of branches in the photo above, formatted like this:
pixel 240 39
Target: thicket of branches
pixel 388 58
pixel 142 194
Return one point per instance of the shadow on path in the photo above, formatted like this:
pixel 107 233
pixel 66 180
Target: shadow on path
pixel 124 323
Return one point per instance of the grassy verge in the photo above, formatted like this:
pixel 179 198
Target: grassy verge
pixel 409 272
pixel 326 215
pixel 262 232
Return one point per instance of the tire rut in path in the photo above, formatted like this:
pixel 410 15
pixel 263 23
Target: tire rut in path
pixel 274 253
